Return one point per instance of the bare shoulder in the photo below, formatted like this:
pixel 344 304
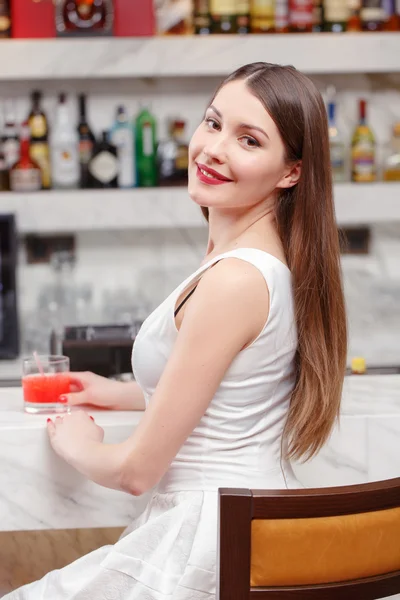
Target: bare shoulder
pixel 231 293
pixel 235 274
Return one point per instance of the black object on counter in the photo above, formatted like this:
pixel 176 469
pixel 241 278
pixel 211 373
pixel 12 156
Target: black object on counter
pixel 103 349
pixel 9 338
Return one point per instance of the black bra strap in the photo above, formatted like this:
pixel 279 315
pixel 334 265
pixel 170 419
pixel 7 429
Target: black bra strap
pixel 184 300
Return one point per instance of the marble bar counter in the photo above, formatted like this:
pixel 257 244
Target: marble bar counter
pixel 39 491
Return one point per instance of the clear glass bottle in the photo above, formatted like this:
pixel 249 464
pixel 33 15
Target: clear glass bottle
pixel 391 167
pixel 336 146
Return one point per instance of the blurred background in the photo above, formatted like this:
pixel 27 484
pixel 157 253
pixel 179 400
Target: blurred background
pixel 98 101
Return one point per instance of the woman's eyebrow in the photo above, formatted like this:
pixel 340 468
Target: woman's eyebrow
pixel 242 125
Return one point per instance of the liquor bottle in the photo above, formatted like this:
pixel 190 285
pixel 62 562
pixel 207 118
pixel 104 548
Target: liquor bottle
pixel 4 174
pixel 173 17
pixel 103 166
pixel 201 17
pixel 318 16
pixel 336 146
pixel 84 17
pixel 354 20
pixel 391 168
pixel 121 136
pixel 146 149
pixel 262 16
pixel 363 150
pixel 11 143
pixel 301 16
pixel 86 144
pixel 243 16
pixel 173 156
pixel 372 15
pixel 391 18
pixel 39 148
pixel 5 19
pixel 25 175
pixel 281 16
pixel 336 15
pixel 64 148
pixel 223 16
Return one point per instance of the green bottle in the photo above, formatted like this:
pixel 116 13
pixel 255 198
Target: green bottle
pixel 146 149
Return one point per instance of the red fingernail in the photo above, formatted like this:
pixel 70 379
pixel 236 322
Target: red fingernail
pixel 91 417
pixel 63 399
pixel 49 420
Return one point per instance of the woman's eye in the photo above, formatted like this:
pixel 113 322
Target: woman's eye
pixel 212 123
pixel 250 142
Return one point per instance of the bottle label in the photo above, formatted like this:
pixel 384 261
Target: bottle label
pixel 85 151
pixel 65 163
pixel 336 11
pixel 38 127
pixel 262 8
pixel 223 7
pixel 243 7
pixel 11 151
pixel 301 12
pixel 363 159
pixel 104 167
pixel 25 180
pixel 5 23
pixel 39 152
pixel 148 146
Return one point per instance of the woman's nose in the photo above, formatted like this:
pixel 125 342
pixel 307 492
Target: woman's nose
pixel 216 150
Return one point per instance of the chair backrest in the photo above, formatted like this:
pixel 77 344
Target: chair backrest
pixel 339 543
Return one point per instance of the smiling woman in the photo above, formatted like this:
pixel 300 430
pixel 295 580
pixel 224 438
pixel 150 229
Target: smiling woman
pixel 241 367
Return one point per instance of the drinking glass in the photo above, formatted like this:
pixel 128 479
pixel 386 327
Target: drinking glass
pixel 44 379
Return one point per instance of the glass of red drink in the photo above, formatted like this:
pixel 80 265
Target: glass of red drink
pixel 44 379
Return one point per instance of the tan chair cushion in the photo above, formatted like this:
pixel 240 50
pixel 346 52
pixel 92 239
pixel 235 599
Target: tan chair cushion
pixel 323 550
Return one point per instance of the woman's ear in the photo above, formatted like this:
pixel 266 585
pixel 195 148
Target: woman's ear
pixel 291 177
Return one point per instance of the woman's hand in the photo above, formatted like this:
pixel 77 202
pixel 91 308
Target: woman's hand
pixel 89 388
pixel 77 439
pixel 72 434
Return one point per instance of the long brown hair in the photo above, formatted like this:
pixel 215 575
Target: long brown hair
pixel 306 223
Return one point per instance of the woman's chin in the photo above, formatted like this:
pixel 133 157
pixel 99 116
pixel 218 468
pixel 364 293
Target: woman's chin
pixel 196 195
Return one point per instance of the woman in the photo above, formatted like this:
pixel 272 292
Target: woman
pixel 241 367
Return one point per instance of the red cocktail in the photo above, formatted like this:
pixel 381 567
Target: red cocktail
pixel 44 380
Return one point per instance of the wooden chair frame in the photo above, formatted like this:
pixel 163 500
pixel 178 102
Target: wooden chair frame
pixel 237 509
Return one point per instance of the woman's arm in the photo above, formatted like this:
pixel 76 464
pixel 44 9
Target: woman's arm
pixel 89 388
pixel 228 310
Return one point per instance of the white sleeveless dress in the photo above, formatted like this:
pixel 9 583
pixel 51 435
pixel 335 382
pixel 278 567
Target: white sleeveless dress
pixel 169 552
